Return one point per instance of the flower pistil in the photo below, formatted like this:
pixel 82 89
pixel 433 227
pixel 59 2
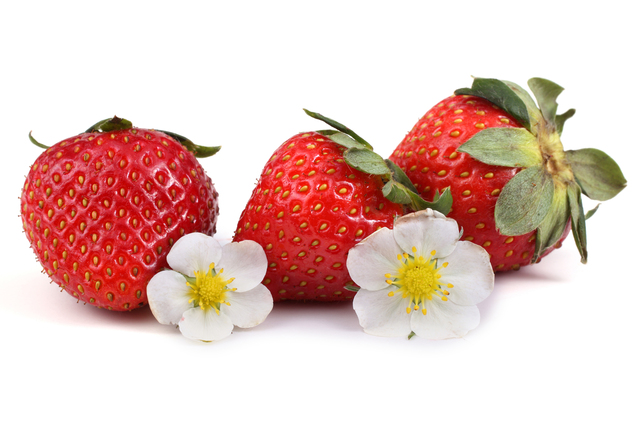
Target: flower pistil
pixel 208 289
pixel 419 279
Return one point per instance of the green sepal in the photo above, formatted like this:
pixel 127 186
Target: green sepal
pixel 338 126
pixel 535 116
pixel 562 118
pixel 399 189
pixel 598 175
pixel 411 335
pixel 504 146
pixel 110 125
pixel 524 201
pixel 554 224
pixel 366 161
pixel 344 140
pixel 546 93
pixel 351 287
pixel 591 212
pixel 578 220
pixel 501 95
pixel 198 150
pixel 36 143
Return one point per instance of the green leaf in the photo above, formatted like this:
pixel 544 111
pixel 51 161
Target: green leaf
pixel 345 140
pixel 501 95
pixel 110 125
pixel 36 143
pixel 554 224
pixel 198 150
pixel 535 116
pixel 510 147
pixel 400 176
pixel 366 161
pixel 560 120
pixel 338 126
pixel 578 220
pixel 591 212
pixel 546 93
pixel 398 193
pixel 524 201
pixel 598 175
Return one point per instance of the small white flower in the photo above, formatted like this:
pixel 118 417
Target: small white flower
pixel 211 287
pixel 419 278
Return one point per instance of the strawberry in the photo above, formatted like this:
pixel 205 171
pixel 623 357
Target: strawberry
pixel 102 209
pixel 515 190
pixel 314 201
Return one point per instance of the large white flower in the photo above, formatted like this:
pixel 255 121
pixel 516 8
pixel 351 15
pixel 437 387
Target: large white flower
pixel 419 278
pixel 211 287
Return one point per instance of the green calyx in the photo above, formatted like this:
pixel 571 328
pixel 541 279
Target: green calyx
pixel 117 124
pixel 546 194
pixel 398 188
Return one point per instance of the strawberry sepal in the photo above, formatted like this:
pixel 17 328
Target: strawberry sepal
pixel 398 188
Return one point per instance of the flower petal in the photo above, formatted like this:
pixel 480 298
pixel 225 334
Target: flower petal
pixel 372 258
pixel 206 325
pixel 168 296
pixel 244 261
pixel 382 315
pixel 194 252
pixel 426 232
pixel 445 320
pixel 249 308
pixel 469 270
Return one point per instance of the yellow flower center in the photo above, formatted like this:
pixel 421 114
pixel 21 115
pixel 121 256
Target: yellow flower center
pixel 208 289
pixel 419 280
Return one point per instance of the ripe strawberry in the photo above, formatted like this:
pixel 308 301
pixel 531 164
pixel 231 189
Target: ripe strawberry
pixel 102 209
pixel 515 190
pixel 307 210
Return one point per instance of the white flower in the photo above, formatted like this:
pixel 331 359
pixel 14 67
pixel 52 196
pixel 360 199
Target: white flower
pixel 418 278
pixel 211 287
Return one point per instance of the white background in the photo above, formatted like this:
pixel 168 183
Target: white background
pixel 557 341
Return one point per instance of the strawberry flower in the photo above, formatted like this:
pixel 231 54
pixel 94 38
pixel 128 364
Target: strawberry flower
pixel 419 278
pixel 212 288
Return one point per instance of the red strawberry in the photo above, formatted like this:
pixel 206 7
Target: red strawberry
pixel 515 190
pixel 307 210
pixel 102 209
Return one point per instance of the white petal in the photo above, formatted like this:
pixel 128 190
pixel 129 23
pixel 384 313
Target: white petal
pixel 205 325
pixel 194 252
pixel 168 296
pixel 246 262
pixel 426 232
pixel 382 315
pixel 469 270
pixel 445 320
pixel 249 308
pixel 372 258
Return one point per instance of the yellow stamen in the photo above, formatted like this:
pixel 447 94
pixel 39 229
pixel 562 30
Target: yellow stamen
pixel 208 289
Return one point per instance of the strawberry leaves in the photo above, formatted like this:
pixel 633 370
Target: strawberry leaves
pixel 598 175
pixel 501 95
pixel 524 202
pixel 510 147
pixel 398 188
pixel 546 195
